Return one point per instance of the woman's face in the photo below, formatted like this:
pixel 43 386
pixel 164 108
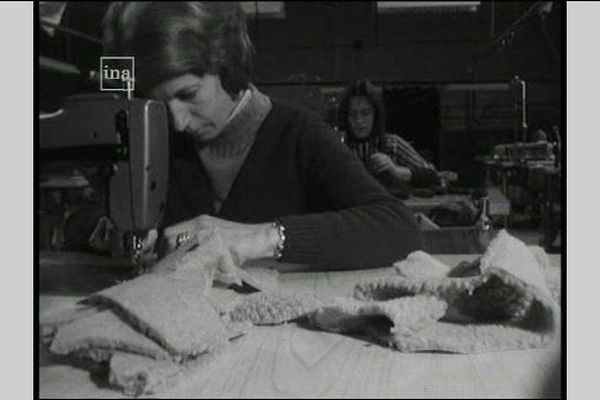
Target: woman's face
pixel 199 106
pixel 361 116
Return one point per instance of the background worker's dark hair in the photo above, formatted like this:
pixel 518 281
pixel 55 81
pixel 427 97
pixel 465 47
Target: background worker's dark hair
pixel 170 39
pixel 374 95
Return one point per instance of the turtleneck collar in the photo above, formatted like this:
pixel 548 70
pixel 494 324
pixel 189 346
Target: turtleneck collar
pixel 239 132
pixel 243 98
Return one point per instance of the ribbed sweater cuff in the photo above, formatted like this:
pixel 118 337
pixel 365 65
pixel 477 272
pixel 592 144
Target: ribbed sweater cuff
pixel 301 239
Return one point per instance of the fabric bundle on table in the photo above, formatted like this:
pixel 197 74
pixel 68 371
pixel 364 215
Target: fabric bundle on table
pixel 500 302
pixel 157 327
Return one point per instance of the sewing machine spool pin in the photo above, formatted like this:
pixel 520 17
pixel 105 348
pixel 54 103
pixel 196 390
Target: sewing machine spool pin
pixel 137 243
pixel 138 257
pixel 484 222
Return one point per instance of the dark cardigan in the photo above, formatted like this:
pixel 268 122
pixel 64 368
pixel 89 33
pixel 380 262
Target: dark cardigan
pixel 334 213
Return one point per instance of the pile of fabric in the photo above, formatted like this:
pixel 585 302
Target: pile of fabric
pixel 155 328
pixel 159 327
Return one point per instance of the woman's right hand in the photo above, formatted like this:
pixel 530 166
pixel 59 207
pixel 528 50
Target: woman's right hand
pixel 245 241
pixel 236 242
pixel 380 163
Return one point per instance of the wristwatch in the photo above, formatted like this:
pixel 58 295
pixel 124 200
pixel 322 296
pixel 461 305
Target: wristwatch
pixel 278 252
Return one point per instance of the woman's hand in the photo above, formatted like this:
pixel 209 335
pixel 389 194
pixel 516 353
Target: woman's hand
pixel 380 163
pixel 245 241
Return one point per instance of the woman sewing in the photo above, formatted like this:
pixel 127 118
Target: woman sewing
pixel 275 180
pixel 388 157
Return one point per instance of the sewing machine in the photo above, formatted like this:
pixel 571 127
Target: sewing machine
pixel 524 152
pixel 127 140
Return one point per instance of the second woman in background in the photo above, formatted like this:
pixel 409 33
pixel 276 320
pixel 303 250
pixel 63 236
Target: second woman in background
pixel 388 157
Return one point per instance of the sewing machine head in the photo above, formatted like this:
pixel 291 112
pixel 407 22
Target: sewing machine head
pixel 126 140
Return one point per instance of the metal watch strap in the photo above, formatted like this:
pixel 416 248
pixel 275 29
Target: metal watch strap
pixel 278 252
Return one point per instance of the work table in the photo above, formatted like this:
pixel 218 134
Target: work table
pixel 293 361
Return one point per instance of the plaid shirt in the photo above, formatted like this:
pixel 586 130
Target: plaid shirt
pixel 398 149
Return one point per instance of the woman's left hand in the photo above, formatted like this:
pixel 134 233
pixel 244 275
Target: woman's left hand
pixel 380 162
pixel 245 241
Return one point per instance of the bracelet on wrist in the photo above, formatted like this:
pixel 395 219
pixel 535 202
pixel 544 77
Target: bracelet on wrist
pixel 278 252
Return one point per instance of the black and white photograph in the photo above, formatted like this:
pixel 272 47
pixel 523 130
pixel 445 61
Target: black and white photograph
pixel 345 199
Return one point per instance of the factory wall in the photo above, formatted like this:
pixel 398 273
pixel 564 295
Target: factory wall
pixel 340 41
pixel 329 43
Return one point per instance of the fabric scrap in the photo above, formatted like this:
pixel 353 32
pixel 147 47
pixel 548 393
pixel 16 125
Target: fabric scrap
pixel 400 316
pixel 170 311
pixel 137 375
pixel 274 308
pixel 419 263
pixel 261 279
pixel 506 306
pixel 104 331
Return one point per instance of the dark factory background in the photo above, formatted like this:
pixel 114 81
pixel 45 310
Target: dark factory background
pixel 450 76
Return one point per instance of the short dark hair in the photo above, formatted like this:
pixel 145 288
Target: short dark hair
pixel 170 39
pixel 374 95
